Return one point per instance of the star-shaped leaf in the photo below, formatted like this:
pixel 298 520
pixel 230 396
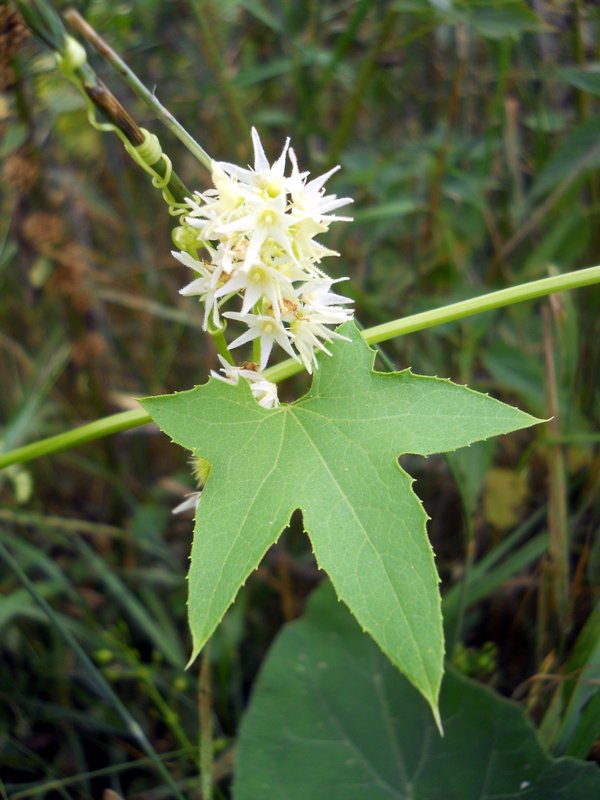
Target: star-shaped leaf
pixel 333 454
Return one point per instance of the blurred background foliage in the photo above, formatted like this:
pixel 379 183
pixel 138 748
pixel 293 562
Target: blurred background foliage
pixel 469 135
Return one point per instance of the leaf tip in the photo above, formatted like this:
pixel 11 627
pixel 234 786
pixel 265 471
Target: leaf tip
pixel 194 656
pixel 435 710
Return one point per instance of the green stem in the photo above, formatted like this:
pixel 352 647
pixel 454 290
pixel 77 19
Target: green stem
pixel 456 311
pixel 131 79
pixel 86 433
pixel 486 302
pixel 558 518
pixel 277 373
pixel 221 345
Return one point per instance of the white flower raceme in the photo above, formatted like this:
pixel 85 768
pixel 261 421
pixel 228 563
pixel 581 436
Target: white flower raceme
pixel 258 227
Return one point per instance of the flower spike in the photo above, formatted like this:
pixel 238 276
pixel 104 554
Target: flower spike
pixel 259 227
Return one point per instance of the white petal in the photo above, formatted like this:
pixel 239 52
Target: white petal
pixel 195 287
pixel 186 258
pixel 317 183
pixel 279 166
pixel 191 501
pixel 250 334
pixel 260 160
pixel 266 345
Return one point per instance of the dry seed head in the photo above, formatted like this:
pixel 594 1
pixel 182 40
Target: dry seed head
pixel 13 33
pixel 88 349
pixel 7 76
pixel 43 231
pixel 70 276
pixel 20 172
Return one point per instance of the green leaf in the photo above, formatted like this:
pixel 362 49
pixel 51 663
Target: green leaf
pixel 333 454
pixel 391 210
pixel 492 19
pixel 588 79
pixel 581 720
pixel 330 719
pixel 579 152
pixel 502 18
pixel 14 137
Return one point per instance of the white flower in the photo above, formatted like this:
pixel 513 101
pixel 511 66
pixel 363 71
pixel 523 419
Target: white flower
pixel 275 257
pixel 305 334
pixel 267 329
pixel 261 204
pixel 318 301
pixel 206 286
pixel 309 200
pixel 264 392
pixel 257 282
pixel 266 220
pixel 264 177
pixel 215 207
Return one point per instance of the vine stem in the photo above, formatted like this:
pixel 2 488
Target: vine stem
pixel 380 333
pixel 221 345
pixel 78 23
pixel 72 62
pixel 485 302
pixel 460 310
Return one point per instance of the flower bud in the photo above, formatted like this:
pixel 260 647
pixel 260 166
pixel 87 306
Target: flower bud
pixel 185 238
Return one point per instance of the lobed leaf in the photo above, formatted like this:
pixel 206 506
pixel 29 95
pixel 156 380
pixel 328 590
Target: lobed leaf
pixel 333 454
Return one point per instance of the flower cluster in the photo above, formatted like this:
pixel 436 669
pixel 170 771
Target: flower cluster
pixel 258 229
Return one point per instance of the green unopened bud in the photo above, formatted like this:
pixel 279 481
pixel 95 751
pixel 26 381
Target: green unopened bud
pixel 185 238
pixel 72 57
pixel 103 656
